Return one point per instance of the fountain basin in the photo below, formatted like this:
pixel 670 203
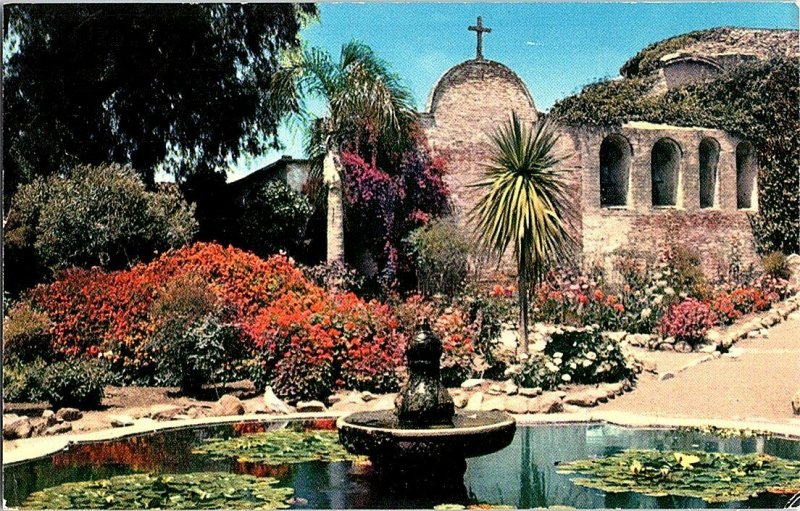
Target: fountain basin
pixel 424 453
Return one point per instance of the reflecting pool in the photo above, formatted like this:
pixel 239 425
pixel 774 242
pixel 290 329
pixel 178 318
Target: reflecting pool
pixel 523 475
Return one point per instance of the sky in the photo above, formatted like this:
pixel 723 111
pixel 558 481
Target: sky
pixel 556 48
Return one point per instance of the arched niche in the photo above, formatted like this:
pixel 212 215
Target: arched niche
pixel 746 175
pixel 709 159
pixel 615 170
pixel 665 162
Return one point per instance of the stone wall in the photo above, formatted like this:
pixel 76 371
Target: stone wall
pixel 648 229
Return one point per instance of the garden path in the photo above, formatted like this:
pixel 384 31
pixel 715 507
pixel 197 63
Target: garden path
pixel 756 380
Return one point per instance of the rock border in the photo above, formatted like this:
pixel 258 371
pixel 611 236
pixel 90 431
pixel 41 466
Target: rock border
pixel 34 448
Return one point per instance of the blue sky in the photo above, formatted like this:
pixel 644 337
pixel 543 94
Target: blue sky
pixel 556 48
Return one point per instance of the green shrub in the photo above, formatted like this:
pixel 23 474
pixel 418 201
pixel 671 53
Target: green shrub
pixel 487 314
pixel 580 356
pixel 440 252
pixel 209 351
pixel 685 273
pixel 776 265
pixel 22 382
pixel 273 218
pixel 97 215
pixel 78 383
pixel 26 333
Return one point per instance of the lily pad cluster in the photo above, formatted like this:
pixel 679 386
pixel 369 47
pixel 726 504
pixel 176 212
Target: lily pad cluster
pixel 713 477
pixel 202 490
pixel 278 447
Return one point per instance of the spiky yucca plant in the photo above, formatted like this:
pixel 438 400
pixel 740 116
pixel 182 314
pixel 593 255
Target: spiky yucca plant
pixel 525 205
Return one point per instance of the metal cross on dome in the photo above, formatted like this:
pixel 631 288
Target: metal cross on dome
pixel 480 29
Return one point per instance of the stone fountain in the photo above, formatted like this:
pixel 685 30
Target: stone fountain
pixel 424 441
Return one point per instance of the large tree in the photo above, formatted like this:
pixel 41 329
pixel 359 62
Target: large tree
pixel 181 87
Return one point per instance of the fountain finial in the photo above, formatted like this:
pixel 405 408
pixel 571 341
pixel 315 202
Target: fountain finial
pixel 424 401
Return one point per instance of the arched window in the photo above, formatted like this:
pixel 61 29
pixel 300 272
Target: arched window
pixel 665 162
pixel 615 169
pixel 746 173
pixel 709 157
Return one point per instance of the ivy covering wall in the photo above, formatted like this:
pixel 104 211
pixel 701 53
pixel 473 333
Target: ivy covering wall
pixel 757 101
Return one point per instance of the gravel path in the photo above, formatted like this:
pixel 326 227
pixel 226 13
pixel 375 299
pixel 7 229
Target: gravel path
pixel 756 380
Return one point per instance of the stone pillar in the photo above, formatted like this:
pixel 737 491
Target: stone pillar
pixel 335 227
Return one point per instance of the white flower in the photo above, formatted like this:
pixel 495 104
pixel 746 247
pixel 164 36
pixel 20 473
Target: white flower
pixel 566 377
pixel 586 362
pixel 646 313
pixel 591 355
pixel 669 291
pixel 558 354
pixel 658 299
pixel 551 367
pixel 661 283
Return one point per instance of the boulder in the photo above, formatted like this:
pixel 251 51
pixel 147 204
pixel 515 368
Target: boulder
pixel 667 376
pixel 50 417
pixel 796 403
pixel 510 388
pixel 548 402
pixel 683 347
pixel 310 406
pixel 530 392
pixel 63 427
pixel 164 412
pixel 274 404
pixel 587 397
pixel 517 405
pixel 69 414
pixel 495 390
pixel 616 336
pixel 15 427
pixel 227 405
pixel 475 402
pixel 460 400
pixel 713 336
pixel 332 399
pixel 120 421
pixel 494 403
pixel 367 396
pixel 197 412
pixel 472 383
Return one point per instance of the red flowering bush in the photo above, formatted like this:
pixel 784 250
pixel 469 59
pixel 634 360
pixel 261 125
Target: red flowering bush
pixel 688 321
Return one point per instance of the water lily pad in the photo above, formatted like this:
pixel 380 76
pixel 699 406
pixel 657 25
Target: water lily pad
pixel 713 477
pixel 278 447
pixel 201 490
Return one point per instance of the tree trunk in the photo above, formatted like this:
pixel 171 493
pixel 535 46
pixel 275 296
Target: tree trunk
pixel 335 227
pixel 522 292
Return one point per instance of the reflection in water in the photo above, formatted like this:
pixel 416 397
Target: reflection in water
pixel 522 475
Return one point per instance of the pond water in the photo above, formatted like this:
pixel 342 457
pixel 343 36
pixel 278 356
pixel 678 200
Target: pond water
pixel 523 475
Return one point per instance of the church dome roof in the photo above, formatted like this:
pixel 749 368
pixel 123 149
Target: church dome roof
pixel 475 69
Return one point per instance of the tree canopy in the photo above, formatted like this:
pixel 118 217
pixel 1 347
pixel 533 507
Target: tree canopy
pixel 180 87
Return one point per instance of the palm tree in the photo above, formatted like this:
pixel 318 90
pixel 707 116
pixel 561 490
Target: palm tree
pixel 366 105
pixel 525 205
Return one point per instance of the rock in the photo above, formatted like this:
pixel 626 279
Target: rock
pixel 649 365
pixel 332 399
pixel 516 404
pixel 460 400
pixel 753 334
pixel 310 406
pixel 713 336
pixel 274 404
pixel 549 402
pixel 588 397
pixel 796 403
pixel 668 340
pixel 530 392
pixel 164 412
pixel 383 403
pixel 683 347
pixel 63 427
pixel 763 332
pixel 667 376
pixel 638 339
pixel 616 336
pixel 197 412
pixel 120 421
pixel 15 427
pixel 475 401
pixel 494 403
pixel 495 390
pixel 69 414
pixel 665 346
pixel 50 418
pixel 227 405
pixel 368 396
pixel 472 383
pixel 510 388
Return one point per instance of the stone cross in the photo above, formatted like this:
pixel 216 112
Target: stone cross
pixel 480 29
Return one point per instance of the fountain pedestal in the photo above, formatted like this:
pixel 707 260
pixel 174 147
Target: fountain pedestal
pixel 424 442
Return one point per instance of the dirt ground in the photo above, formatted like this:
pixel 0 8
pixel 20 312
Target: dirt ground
pixel 756 380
